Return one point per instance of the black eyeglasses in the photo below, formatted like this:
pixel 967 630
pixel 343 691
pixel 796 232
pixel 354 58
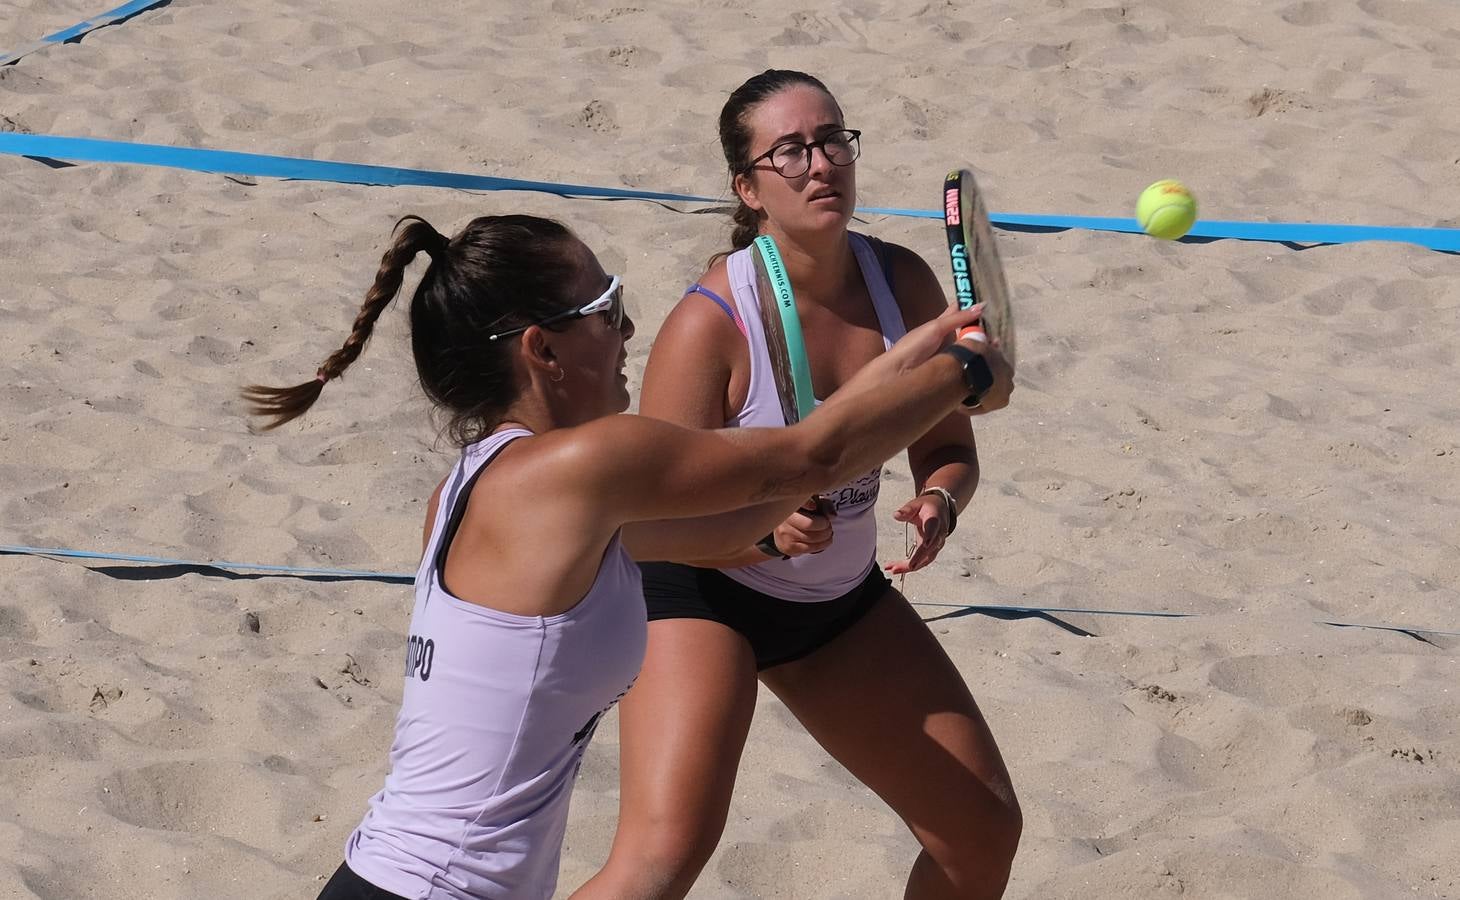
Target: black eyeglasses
pixel 792 159
pixel 610 303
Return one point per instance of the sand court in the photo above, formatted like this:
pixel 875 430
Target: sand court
pixel 1260 435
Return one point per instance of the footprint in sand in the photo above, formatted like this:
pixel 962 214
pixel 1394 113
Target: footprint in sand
pixel 1269 680
pixel 1308 14
pixel 596 116
pixel 1274 101
pixel 183 797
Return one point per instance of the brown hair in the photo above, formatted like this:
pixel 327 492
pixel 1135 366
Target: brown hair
pixel 735 136
pixel 498 272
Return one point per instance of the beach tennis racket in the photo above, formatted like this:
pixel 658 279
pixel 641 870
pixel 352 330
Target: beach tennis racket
pixel 978 276
pixel 784 343
pixel 787 348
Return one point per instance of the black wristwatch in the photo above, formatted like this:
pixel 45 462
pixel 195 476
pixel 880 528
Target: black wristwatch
pixel 977 375
pixel 767 545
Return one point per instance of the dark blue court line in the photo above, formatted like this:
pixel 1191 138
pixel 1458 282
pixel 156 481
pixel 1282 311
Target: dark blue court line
pixel 984 607
pixel 203 567
pixel 1402 629
pixel 125 11
pixel 49 147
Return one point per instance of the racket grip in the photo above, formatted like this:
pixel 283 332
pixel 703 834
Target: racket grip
pixel 819 505
pixel 973 332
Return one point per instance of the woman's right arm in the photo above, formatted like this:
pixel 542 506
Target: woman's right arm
pixel 633 468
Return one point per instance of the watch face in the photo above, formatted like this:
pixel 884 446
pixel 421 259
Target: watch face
pixel 978 374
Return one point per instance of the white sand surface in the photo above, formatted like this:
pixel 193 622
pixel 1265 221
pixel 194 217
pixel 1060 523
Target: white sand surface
pixel 1260 435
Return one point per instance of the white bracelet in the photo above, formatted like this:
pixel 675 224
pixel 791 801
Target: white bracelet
pixel 948 499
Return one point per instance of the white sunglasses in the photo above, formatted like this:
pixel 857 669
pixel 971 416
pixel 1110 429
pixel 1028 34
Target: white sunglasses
pixel 610 302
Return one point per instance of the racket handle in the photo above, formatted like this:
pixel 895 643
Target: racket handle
pixel 819 505
pixel 973 332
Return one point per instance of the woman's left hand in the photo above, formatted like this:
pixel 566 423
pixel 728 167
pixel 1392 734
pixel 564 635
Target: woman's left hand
pixel 930 517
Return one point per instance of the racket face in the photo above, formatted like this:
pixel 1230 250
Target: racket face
pixel 784 342
pixel 978 275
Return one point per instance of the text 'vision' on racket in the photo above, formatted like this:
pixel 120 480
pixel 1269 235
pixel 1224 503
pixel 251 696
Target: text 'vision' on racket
pixel 978 276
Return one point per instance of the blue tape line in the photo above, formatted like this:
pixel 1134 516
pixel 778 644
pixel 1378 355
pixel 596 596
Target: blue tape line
pixel 1444 239
pixel 402 578
pixel 229 566
pixel 228 162
pixel 1402 629
pixel 125 11
pixel 1059 609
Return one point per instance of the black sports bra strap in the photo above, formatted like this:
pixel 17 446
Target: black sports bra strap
pixel 458 512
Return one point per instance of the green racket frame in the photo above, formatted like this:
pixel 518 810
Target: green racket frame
pixel 785 302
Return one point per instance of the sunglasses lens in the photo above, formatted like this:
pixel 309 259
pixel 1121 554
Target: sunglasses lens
pixel 616 312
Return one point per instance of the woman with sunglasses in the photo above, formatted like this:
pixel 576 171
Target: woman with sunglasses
pixel 806 609
pixel 518 644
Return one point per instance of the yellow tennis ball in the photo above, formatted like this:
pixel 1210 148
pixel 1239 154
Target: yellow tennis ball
pixel 1166 210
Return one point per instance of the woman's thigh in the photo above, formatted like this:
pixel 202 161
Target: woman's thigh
pixel 885 700
pixel 681 730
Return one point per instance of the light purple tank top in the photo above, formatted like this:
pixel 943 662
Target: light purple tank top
pixel 496 713
pixel 853 550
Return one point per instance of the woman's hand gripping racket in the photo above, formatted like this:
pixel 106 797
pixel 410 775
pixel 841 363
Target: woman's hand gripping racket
pixel 978 276
pixel 787 348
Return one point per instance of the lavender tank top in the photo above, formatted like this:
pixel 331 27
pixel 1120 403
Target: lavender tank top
pixel 496 713
pixel 853 551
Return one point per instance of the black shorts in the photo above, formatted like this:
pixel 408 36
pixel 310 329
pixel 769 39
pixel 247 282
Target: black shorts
pixel 346 885
pixel 779 631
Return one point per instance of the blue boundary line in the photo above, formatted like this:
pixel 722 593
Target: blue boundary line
pixel 1446 240
pixel 1402 629
pixel 301 571
pixel 225 162
pixel 75 32
pixel 404 578
pixel 1032 610
pixel 72 149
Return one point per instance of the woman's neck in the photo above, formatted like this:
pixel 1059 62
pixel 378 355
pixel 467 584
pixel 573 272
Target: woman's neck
pixel 530 413
pixel 819 265
pixel 540 415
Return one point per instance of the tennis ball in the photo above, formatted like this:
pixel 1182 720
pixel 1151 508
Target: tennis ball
pixel 1166 210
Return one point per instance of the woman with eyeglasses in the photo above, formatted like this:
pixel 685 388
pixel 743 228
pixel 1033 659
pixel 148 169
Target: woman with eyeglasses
pixel 806 609
pixel 529 618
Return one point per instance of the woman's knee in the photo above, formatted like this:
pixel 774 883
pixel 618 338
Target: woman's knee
pixel 1009 825
pixel 982 839
pixel 661 860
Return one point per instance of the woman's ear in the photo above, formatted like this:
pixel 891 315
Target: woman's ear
pixel 744 187
pixel 538 353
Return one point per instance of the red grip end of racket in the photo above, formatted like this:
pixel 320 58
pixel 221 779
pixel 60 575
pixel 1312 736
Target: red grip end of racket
pixel 974 331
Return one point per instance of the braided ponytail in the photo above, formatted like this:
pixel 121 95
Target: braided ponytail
pixel 288 403
pixel 747 226
pixel 498 272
